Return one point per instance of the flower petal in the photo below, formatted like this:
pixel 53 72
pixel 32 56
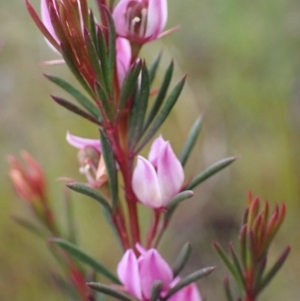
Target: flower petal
pixel 119 16
pixel 128 273
pixel 188 293
pixel 145 184
pixel 153 267
pixel 155 150
pixel 157 18
pixel 169 173
pixel 45 16
pixel 123 58
pixel 81 143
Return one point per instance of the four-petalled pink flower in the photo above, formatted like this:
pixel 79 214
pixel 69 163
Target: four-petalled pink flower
pixel 140 21
pixel 157 180
pixel 138 275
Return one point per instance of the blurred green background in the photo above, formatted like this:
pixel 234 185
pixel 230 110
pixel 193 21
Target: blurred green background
pixel 243 63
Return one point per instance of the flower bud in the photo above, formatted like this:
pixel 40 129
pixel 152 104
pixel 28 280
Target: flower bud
pixel 123 58
pixel 28 180
pixel 157 180
pixel 140 21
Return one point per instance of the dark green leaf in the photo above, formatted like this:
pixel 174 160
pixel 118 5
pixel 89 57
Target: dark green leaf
pixel 237 265
pixel 111 48
pixel 129 84
pixel 71 107
pixel 191 140
pixel 31 227
pixel 85 258
pixel 273 271
pixel 188 280
pixel 139 108
pixel 82 99
pixel 228 292
pixel 153 66
pixel 110 165
pixel 157 287
pixel 161 117
pixel 182 259
pixel 210 171
pixel 94 194
pixel 93 55
pixel 182 196
pixel 160 96
pixel 226 260
pixel 104 100
pixel 107 290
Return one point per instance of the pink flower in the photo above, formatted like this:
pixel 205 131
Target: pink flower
pixel 157 180
pixel 140 20
pixel 138 275
pixel 90 159
pixel 46 19
pixel 123 50
pixel 188 293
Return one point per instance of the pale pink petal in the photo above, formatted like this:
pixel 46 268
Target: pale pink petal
pixel 81 143
pixel 188 293
pixel 140 249
pixel 128 273
pixel 123 58
pixel 119 16
pixel 169 172
pixel 47 22
pixel 155 150
pixel 153 267
pixel 157 18
pixel 145 184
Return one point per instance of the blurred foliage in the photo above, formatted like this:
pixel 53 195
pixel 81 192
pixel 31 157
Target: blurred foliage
pixel 243 64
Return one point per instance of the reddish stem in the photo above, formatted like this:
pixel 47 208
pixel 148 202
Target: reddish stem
pixel 153 230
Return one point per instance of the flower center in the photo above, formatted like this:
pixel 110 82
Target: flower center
pixel 136 17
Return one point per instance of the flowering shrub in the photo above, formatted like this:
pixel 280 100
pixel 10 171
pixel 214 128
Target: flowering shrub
pixel 117 82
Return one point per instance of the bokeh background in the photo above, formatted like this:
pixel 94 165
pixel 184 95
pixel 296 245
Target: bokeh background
pixel 243 63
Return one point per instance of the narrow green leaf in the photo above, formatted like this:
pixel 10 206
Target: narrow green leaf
pixel 161 117
pixel 237 266
pixel 111 48
pixel 191 140
pixel 104 100
pixel 153 66
pixel 160 96
pixel 110 165
pixel 182 259
pixel 65 287
pixel 85 258
pixel 139 108
pixel 94 194
pixel 92 28
pixel 226 260
pixel 93 55
pixel 71 107
pixel 108 290
pixel 228 292
pixel 188 280
pixel 129 84
pixel 210 171
pixel 102 53
pixel 273 271
pixel 157 287
pixel 81 98
pixel 182 196
pixel 30 226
